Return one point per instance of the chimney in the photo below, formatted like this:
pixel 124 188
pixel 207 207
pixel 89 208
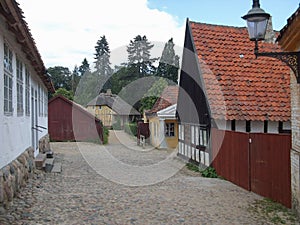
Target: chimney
pixel 270 34
pixel 108 92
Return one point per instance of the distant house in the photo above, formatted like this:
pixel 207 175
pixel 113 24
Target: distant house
pixel 222 85
pixel 289 39
pixel 24 87
pixel 110 109
pixel 69 121
pixel 162 120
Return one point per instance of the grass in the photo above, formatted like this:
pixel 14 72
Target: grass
pixel 209 172
pixel 273 212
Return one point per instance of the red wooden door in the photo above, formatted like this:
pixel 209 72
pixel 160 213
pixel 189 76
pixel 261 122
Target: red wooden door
pixel 271 166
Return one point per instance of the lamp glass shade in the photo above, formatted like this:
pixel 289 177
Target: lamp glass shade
pixel 257 29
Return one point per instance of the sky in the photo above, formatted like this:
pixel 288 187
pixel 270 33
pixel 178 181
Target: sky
pixel 66 31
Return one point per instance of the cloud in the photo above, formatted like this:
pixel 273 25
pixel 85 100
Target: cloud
pixel 66 31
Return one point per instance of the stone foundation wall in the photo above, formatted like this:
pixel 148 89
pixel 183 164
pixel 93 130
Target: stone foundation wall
pixel 15 175
pixel 44 144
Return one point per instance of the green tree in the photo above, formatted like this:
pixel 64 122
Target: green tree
pixel 149 99
pixel 139 56
pixel 75 78
pixel 64 92
pixel 87 89
pixel 84 67
pixel 169 63
pixel 102 63
pixel 61 77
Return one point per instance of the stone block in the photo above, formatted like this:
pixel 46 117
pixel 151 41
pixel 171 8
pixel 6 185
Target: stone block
pixel 39 161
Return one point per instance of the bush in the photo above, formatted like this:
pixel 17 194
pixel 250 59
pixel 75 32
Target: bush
pixel 131 128
pixel 117 125
pixel 209 172
pixel 105 135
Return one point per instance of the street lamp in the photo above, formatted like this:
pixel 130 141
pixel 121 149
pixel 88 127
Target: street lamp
pixel 257 21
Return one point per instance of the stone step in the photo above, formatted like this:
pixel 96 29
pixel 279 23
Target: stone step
pixel 48 164
pixel 39 160
pixel 56 168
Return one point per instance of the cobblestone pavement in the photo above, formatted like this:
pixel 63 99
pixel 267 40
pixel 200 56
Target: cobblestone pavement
pixel 80 195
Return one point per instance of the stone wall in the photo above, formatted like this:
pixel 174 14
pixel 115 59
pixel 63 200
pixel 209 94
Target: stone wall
pixel 295 152
pixel 44 144
pixel 15 175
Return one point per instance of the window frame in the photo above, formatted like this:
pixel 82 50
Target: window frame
pixel 170 129
pixel 20 87
pixel 8 81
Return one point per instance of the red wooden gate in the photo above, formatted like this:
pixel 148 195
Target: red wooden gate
pixel 257 162
pixel 230 156
pixel 270 166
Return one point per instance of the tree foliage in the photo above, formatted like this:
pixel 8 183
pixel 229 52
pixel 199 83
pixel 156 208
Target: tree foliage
pixel 60 76
pixel 84 67
pixel 139 56
pixel 64 92
pixel 169 63
pixel 149 99
pixel 102 63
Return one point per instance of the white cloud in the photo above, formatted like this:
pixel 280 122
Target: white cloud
pixel 66 31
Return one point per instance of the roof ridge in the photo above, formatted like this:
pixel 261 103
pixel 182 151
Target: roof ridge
pixel 218 25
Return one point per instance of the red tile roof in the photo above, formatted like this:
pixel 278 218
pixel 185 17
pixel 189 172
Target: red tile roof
pixel 168 97
pixel 238 86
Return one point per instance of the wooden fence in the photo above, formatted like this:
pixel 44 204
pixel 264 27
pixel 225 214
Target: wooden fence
pixel 255 161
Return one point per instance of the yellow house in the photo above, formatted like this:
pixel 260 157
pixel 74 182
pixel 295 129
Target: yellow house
pixel 111 109
pixel 162 120
pixel 164 128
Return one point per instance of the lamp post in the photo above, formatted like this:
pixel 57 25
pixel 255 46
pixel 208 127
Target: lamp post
pixel 257 21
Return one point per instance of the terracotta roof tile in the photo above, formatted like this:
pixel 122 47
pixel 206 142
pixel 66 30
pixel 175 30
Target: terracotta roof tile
pixel 168 97
pixel 238 86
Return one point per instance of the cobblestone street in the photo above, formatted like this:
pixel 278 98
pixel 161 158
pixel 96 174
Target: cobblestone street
pixel 80 195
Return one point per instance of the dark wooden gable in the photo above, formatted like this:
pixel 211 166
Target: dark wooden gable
pixel 192 105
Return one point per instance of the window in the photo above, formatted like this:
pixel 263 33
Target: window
pixel 46 104
pixel 170 130
pixel 233 125
pixel 248 126
pixel 8 81
pixel 203 136
pixel 266 126
pixel 27 92
pixel 20 109
pixel 181 132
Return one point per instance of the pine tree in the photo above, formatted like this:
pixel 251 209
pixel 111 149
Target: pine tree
pixel 102 63
pixel 75 78
pixel 85 67
pixel 169 63
pixel 139 56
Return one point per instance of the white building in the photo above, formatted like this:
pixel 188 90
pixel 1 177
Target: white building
pixel 24 87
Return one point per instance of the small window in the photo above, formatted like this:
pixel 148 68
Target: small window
pixel 266 126
pixel 20 97
pixel 233 125
pixel 27 92
pixel 8 81
pixel 170 130
pixel 248 126
pixel 203 139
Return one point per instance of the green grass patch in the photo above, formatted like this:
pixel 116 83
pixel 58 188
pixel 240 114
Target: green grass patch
pixel 273 212
pixel 208 172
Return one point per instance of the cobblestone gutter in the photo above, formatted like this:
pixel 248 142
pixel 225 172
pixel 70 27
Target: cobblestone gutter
pixel 14 176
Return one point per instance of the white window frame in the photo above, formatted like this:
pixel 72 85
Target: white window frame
pixel 170 129
pixel 8 81
pixel 27 92
pixel 20 95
